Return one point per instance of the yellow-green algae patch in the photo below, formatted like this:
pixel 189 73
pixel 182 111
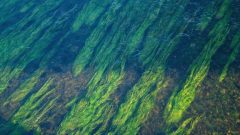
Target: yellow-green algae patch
pixel 181 100
pixel 24 88
pixel 141 98
pixel 187 126
pixel 140 94
pixel 94 108
pixel 30 114
pixel 32 103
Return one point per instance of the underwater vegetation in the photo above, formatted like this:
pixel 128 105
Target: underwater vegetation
pixel 120 67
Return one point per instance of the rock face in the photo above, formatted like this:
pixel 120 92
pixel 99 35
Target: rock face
pixel 119 67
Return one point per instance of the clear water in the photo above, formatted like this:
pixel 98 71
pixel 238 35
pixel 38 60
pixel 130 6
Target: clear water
pixel 119 67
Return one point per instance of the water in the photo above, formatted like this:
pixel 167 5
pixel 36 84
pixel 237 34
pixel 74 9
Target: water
pixel 119 67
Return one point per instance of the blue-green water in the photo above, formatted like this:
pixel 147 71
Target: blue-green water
pixel 119 67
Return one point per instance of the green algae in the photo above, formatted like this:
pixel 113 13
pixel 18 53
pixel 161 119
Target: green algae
pixel 206 17
pixel 108 18
pixel 90 12
pixel 24 88
pixel 151 30
pixel 147 100
pixel 181 100
pixel 235 46
pixel 105 60
pixel 29 116
pixel 223 9
pixel 94 109
pixel 32 103
pixel 153 46
pixel 143 94
pixel 19 42
pixel 139 34
pixel 138 95
pixel 183 129
pixel 86 52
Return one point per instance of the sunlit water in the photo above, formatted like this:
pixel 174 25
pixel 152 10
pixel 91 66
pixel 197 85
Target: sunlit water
pixel 119 67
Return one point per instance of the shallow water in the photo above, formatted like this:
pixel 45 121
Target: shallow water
pixel 120 67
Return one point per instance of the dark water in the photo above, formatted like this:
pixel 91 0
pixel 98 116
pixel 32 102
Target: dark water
pixel 151 67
